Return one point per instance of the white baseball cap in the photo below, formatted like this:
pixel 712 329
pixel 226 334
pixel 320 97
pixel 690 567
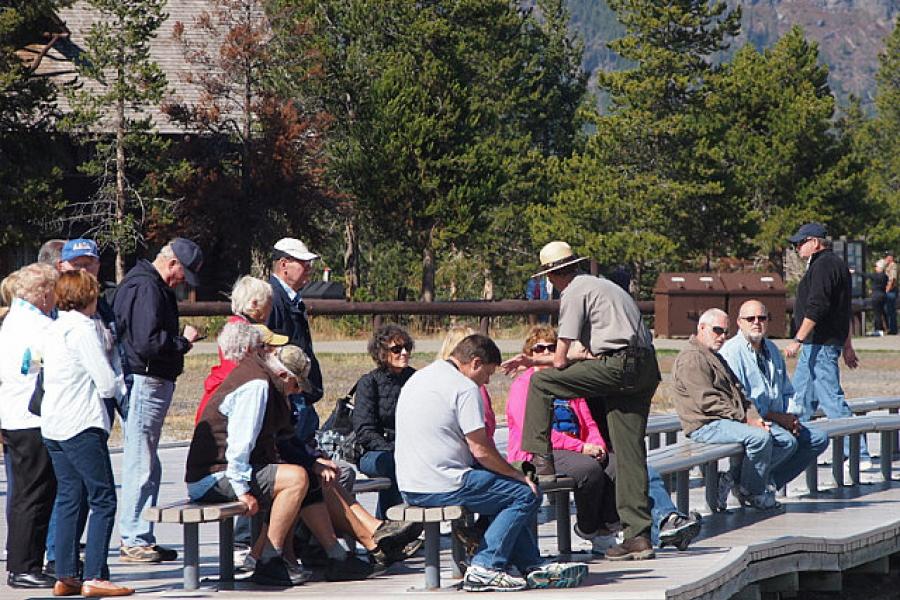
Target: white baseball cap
pixel 294 248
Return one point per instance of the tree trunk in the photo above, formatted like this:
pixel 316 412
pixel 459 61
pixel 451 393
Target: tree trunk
pixel 120 172
pixel 351 257
pixel 428 268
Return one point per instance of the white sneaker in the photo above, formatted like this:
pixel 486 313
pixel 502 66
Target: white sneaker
pixel 480 579
pixel 557 575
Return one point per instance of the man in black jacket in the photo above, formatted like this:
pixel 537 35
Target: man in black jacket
pixel 822 319
pixel 146 312
pixel 291 270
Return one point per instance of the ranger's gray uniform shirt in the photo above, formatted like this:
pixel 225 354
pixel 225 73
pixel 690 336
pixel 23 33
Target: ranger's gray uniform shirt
pixel 601 315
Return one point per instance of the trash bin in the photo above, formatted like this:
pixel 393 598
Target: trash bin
pixel 768 288
pixel 681 298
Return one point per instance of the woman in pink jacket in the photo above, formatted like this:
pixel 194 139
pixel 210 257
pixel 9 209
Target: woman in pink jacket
pixel 578 448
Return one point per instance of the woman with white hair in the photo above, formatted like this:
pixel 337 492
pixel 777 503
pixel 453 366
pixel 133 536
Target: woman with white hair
pixel 22 338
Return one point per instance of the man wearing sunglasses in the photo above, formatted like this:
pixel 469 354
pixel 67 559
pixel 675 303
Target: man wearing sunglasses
pixel 714 410
pixel 761 371
pixel 822 320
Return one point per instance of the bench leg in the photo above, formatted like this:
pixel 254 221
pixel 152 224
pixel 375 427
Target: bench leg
pixel 812 477
pixel 887 443
pixel 563 522
pixel 432 556
pixel 653 441
pixel 711 485
pixel 895 435
pixel 226 549
pixel 671 437
pixel 191 556
pixel 837 460
pixel 854 458
pixel 458 552
pixel 682 491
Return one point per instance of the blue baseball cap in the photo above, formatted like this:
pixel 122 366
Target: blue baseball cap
pixel 191 258
pixel 809 230
pixel 79 247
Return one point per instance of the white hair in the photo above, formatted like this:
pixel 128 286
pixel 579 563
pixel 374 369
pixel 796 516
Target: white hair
pixel 34 281
pixel 249 294
pixel 879 264
pixel 166 252
pixel 238 339
pixel 709 316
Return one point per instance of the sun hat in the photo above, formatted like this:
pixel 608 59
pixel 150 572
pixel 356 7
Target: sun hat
pixel 557 255
pixel 269 337
pixel 297 362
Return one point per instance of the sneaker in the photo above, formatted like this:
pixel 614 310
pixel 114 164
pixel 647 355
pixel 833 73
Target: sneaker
pixel 297 572
pixel 384 559
pixel 392 536
pixel 349 569
pixel 240 554
pixel 636 548
pixel 480 579
pixel 139 554
pixel 273 572
pixel 678 530
pixel 602 543
pixel 557 575
pixel 247 565
pixel 165 554
pixel 764 501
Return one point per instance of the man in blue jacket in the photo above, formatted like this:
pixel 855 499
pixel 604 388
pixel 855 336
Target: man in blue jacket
pixel 760 369
pixel 292 265
pixel 146 312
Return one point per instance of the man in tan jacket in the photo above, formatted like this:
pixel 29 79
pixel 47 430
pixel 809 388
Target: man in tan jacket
pixel 714 410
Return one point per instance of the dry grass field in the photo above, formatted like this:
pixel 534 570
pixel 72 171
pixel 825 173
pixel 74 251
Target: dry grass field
pixel 879 374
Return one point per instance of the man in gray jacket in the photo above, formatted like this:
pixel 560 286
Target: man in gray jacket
pixel 714 410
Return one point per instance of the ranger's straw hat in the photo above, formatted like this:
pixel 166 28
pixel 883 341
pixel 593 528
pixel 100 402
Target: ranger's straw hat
pixel 557 255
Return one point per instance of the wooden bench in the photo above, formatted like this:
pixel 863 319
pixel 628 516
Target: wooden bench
pixel 191 514
pixel 660 424
pixel 680 458
pixel 431 519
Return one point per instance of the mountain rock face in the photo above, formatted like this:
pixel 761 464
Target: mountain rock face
pixel 850 34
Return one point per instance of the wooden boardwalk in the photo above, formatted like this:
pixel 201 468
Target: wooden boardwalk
pixel 835 531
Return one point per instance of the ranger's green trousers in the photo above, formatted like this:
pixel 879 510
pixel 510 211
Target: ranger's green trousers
pixel 600 380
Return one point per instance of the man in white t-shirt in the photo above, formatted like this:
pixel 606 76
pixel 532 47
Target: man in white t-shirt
pixel 444 457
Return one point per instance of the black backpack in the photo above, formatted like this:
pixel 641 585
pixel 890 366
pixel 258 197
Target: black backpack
pixel 336 436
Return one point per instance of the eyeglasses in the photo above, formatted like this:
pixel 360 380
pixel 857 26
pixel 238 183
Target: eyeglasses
pixel 399 348
pixel 541 348
pixel 755 318
pixel 719 330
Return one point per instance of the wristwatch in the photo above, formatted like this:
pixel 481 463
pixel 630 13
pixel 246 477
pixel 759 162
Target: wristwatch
pixel 798 340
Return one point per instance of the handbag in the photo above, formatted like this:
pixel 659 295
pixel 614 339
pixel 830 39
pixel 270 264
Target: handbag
pixel 336 437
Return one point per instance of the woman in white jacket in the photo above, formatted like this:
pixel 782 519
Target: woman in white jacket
pixel 75 425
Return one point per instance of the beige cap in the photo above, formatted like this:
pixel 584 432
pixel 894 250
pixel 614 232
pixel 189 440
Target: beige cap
pixel 296 361
pixel 295 249
pixel 557 255
pixel 269 337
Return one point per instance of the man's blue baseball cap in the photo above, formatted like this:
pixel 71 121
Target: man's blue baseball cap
pixel 809 230
pixel 80 247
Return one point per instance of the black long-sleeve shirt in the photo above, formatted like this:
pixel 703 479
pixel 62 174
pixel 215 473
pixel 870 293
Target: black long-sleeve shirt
pixel 823 295
pixel 376 402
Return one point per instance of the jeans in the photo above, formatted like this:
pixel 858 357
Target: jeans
pixel 509 539
pixel 759 448
pixel 51 531
pixel 381 464
pixel 82 463
pixel 661 505
pixel 890 310
pixel 798 452
pixel 817 382
pixel 148 404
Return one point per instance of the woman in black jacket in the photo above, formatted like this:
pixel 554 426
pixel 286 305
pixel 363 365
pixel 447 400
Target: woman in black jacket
pixel 376 402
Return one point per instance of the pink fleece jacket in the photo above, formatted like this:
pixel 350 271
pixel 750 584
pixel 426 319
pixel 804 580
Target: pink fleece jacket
pixel 515 418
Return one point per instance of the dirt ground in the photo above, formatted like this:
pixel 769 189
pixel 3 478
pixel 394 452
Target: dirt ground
pixel 879 374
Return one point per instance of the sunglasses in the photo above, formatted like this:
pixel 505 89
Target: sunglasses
pixel 798 244
pixel 756 318
pixel 541 348
pixel 399 348
pixel 719 330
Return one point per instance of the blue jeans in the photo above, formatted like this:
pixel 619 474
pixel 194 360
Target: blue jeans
pixel 661 505
pixel 148 404
pixel 51 532
pixel 508 539
pixel 758 448
pixel 381 464
pixel 81 464
pixel 791 455
pixel 817 382
pixel 890 310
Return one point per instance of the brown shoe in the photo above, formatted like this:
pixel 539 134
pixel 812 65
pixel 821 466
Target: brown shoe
pixel 67 586
pixel 544 466
pixel 101 588
pixel 636 548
